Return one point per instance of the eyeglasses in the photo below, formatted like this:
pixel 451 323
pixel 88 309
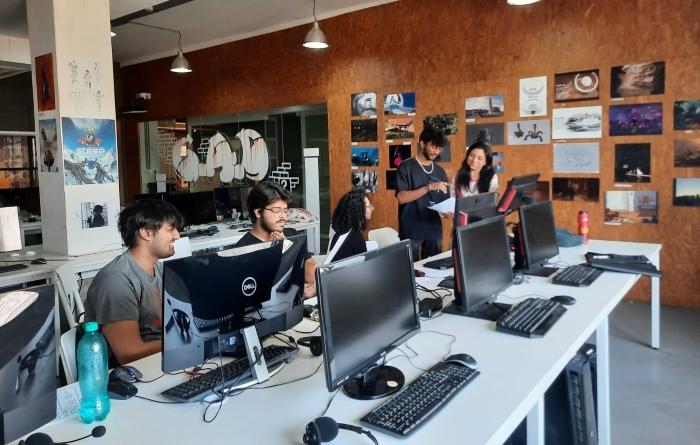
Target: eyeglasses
pixel 369 206
pixel 277 210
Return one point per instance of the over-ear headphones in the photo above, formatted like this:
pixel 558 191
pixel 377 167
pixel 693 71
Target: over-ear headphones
pixel 314 343
pixel 325 429
pixel 45 439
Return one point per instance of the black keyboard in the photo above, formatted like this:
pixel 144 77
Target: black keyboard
pixel 419 400
pixel 12 267
pixel 578 275
pixel 530 318
pixel 235 372
pixel 441 264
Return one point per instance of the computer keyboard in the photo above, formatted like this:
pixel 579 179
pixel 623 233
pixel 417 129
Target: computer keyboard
pixel 441 264
pixel 530 318
pixel 12 267
pixel 420 400
pixel 232 372
pixel 578 275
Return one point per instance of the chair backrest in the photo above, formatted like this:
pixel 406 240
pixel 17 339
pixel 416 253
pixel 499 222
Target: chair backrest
pixel 69 293
pixel 331 234
pixel 68 359
pixel 384 236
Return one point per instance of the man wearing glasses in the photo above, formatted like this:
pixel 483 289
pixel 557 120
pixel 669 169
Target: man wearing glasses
pixel 268 205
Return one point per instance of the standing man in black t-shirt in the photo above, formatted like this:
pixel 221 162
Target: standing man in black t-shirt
pixel 422 183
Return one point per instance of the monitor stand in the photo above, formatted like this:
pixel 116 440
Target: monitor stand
pixel 487 311
pixel 538 271
pixel 377 382
pixel 255 354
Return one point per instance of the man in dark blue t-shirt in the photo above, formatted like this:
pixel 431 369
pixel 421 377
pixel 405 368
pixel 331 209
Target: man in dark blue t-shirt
pixel 422 183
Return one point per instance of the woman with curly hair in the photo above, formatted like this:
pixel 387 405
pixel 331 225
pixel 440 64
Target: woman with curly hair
pixel 349 220
pixel 476 175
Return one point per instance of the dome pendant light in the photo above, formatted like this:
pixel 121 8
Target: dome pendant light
pixel 180 63
pixel 315 38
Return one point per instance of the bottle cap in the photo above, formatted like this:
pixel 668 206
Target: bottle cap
pixel 91 326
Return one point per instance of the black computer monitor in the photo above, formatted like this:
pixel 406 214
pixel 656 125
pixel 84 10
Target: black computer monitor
pixel 208 299
pixel 28 367
pixel 368 307
pixel 536 240
pixel 227 199
pixel 483 269
pixel 518 192
pixel 140 196
pixel 475 208
pixel 196 208
pixel 27 199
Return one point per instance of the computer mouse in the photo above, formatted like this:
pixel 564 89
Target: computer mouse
pixel 120 390
pixel 39 261
pixel 465 360
pixel 127 374
pixel 564 299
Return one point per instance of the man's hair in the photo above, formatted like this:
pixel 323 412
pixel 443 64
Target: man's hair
pixel 263 194
pixel 434 135
pixel 148 214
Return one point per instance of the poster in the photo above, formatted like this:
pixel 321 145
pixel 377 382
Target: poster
pixel 528 132
pixel 632 163
pixel 577 122
pixel 637 79
pixel 576 85
pixel 89 151
pixel 576 158
pixel 400 103
pixel 576 189
pixel 45 88
pixel 399 128
pixel 686 153
pixel 628 120
pixel 630 207
pixel 364 104
pixel 398 154
pixel 686 115
pixel 492 134
pixel 484 106
pixel 363 130
pixel 533 96
pixel 686 192
pixel 445 122
pixel 48 161
pixel 364 156
pixel 94 214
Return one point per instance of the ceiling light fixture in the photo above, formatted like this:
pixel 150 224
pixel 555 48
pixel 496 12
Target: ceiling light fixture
pixel 522 2
pixel 315 38
pixel 180 63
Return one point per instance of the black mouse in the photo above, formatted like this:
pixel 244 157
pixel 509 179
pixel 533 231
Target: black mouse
pixel 564 299
pixel 121 390
pixel 127 374
pixel 39 261
pixel 465 360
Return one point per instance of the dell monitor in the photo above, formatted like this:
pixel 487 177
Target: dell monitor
pixel 368 307
pixel 518 192
pixel 196 208
pixel 208 299
pixel 483 269
pixel 475 208
pixel 28 367
pixel 535 240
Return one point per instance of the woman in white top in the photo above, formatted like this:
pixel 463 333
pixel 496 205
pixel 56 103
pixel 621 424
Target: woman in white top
pixel 476 175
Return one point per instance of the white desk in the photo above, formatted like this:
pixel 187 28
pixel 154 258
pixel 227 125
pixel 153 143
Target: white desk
pixel 515 373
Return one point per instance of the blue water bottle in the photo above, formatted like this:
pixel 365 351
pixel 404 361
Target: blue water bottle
pixel 93 374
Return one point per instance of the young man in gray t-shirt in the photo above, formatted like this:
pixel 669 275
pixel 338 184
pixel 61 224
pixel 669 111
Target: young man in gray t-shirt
pixel 126 295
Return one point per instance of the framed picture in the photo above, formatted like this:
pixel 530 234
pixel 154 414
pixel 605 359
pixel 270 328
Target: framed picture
pixel 576 85
pixel 637 79
pixel 629 120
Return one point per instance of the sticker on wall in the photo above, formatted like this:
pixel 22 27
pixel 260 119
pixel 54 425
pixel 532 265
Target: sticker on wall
pixel 45 88
pixel 365 179
pixel 686 192
pixel 445 122
pixel 528 132
pixel 398 154
pixel 686 153
pixel 490 133
pixel 446 154
pixel 364 104
pixel 49 160
pixel 630 207
pixel 576 85
pixel 627 120
pixel 89 151
pixel 498 162
pixel 637 79
pixel 533 96
pixel 576 189
pixel 686 115
pixel 576 158
pixel 632 163
pixel 363 130
pixel 282 177
pixel 93 214
pixel 399 128
pixel 484 106
pixel 577 122
pixel 400 103
pixel 364 156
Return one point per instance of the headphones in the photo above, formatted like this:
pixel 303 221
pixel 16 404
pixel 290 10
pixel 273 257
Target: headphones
pixel 325 429
pixel 182 320
pixel 314 343
pixel 45 439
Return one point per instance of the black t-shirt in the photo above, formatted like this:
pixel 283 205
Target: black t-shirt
pixel 416 220
pixel 249 239
pixel 353 244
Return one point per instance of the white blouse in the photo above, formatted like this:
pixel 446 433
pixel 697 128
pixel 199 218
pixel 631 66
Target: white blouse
pixel 474 189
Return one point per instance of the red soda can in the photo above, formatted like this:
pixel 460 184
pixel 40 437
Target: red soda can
pixel 583 225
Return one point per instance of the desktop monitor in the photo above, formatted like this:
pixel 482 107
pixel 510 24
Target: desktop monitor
pixel 140 196
pixel 368 307
pixel 475 208
pixel 483 269
pixel 536 240
pixel 227 200
pixel 196 208
pixel 28 367
pixel 208 299
pixel 518 192
pixel 10 234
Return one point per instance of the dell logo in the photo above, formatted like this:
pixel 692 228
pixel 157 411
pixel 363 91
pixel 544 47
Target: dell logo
pixel 249 286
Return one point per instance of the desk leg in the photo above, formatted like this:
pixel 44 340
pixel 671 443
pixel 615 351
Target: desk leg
pixel 603 378
pixel 655 306
pixel 535 423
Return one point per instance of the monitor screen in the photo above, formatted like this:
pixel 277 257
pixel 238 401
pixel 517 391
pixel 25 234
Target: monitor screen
pixel 208 299
pixel 363 319
pixel 196 208
pixel 28 367
pixel 27 199
pixel 518 191
pixel 537 233
pixel 227 199
pixel 474 208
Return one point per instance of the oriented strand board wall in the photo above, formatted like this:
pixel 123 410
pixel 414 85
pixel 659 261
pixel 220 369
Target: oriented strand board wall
pixel 445 51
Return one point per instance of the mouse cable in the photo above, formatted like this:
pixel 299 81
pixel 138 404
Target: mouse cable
pixel 165 402
pixel 307 332
pixel 152 380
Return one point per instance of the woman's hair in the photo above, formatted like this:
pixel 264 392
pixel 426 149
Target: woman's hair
pixel 349 214
pixel 486 173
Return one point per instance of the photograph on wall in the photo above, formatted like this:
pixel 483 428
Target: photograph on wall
pixel 364 104
pixel 399 128
pixel 533 96
pixel 484 106
pixel 630 120
pixel 48 161
pixel 400 103
pixel 398 153
pixel 45 88
pixel 492 134
pixel 445 122
pixel 94 214
pixel 630 207
pixel 365 179
pixel 364 130
pixel 686 153
pixel 576 158
pixel 686 192
pixel 637 79
pixel 686 115
pixel 577 122
pixel 541 192
pixel 391 180
pixel 528 132
pixel 576 85
pixel 446 154
pixel 364 156
pixel 632 163
pixel 89 151
pixel 498 158
pixel 576 189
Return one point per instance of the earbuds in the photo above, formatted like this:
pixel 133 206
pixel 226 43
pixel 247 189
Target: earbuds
pixel 45 439
pixel 325 429
pixel 314 343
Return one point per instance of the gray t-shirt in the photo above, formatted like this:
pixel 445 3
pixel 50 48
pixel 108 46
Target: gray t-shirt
pixel 122 290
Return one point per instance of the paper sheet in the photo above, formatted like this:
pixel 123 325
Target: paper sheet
pixel 67 402
pixel 446 206
pixel 430 283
